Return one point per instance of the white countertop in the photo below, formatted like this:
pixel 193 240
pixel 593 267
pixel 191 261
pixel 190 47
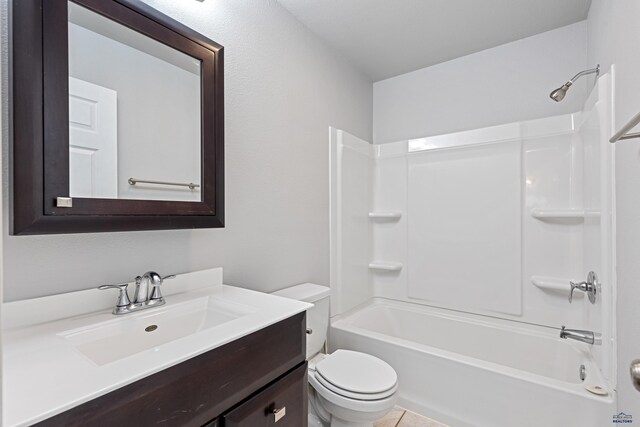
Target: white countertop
pixel 44 375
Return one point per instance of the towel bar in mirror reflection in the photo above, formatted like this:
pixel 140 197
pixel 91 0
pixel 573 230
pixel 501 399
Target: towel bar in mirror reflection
pixel 134 181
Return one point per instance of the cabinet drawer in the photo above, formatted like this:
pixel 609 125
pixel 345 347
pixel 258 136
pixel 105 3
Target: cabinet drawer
pixel 282 404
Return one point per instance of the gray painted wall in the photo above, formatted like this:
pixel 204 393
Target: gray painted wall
pixel 505 84
pixel 284 88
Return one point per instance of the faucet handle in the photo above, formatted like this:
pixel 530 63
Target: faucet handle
pixel 590 287
pixel 123 297
pixel 155 293
pixel 581 286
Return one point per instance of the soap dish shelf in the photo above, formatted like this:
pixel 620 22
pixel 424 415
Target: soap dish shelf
pixel 385 266
pixel 385 215
pixel 569 214
pixel 550 283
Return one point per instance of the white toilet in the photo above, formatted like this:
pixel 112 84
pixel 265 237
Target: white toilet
pixel 347 388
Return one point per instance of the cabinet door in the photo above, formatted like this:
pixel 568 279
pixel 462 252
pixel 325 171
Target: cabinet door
pixel 282 404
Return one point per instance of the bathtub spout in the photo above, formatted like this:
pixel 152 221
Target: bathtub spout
pixel 588 337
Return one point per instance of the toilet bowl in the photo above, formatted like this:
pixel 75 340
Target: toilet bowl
pixel 347 388
pixel 354 388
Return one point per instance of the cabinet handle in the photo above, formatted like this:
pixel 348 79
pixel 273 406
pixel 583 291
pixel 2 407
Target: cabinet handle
pixel 279 414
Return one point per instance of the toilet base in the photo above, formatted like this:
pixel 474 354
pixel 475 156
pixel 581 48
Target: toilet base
pixel 323 413
pixel 316 421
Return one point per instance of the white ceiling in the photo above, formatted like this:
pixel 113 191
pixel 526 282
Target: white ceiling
pixel 385 38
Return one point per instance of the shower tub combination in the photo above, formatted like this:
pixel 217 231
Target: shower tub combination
pixel 438 247
pixel 464 371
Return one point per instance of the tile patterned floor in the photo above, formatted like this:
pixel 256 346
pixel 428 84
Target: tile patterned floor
pixel 400 417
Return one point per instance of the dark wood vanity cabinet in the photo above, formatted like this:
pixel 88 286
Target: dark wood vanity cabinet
pixel 249 382
pixel 283 404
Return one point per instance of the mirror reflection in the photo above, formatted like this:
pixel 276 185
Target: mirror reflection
pixel 134 114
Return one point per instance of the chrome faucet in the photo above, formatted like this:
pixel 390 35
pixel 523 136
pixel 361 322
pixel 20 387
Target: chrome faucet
pixel 150 279
pixel 588 337
pixel 142 300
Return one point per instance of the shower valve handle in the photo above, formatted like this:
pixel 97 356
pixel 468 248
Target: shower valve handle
pixel 589 287
pixel 583 286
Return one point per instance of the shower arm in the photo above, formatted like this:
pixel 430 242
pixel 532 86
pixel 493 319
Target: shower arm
pixel 585 72
pixel 559 93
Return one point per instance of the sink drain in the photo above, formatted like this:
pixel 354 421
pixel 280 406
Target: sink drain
pixel 151 328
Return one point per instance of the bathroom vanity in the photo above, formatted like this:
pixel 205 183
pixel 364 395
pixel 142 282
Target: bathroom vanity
pixel 214 355
pixel 247 382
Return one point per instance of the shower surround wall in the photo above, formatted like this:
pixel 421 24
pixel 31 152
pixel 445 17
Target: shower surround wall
pixel 351 193
pixel 498 221
pixel 489 224
pixel 492 220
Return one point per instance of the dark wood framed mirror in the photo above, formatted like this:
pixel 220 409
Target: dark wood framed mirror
pixel 97 148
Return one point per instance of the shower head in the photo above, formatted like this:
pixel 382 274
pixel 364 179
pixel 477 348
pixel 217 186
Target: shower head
pixel 559 94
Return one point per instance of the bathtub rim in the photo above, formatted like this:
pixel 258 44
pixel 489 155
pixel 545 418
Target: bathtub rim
pixel 344 322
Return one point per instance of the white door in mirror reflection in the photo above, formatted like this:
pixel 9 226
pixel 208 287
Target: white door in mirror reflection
pixel 93 140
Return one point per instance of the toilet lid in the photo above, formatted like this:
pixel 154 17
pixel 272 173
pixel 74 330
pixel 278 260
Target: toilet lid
pixel 357 373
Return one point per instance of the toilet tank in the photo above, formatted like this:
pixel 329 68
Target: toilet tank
pixel 317 316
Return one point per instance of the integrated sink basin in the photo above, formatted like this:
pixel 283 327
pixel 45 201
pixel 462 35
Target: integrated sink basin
pixel 63 350
pixel 120 337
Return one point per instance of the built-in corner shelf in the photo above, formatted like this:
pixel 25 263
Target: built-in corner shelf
pixel 385 265
pixel 560 214
pixel 557 284
pixel 385 215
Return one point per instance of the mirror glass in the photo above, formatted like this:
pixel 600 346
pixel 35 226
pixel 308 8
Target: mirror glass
pixel 134 114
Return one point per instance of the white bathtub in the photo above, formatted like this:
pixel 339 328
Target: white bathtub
pixel 472 371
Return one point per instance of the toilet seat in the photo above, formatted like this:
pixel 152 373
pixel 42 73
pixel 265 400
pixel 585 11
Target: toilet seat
pixel 355 381
pixel 350 404
pixel 356 375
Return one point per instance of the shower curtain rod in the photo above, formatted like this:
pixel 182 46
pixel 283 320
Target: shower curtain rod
pixel 622 133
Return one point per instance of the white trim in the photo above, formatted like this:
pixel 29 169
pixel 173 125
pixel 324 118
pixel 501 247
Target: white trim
pixel 555 125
